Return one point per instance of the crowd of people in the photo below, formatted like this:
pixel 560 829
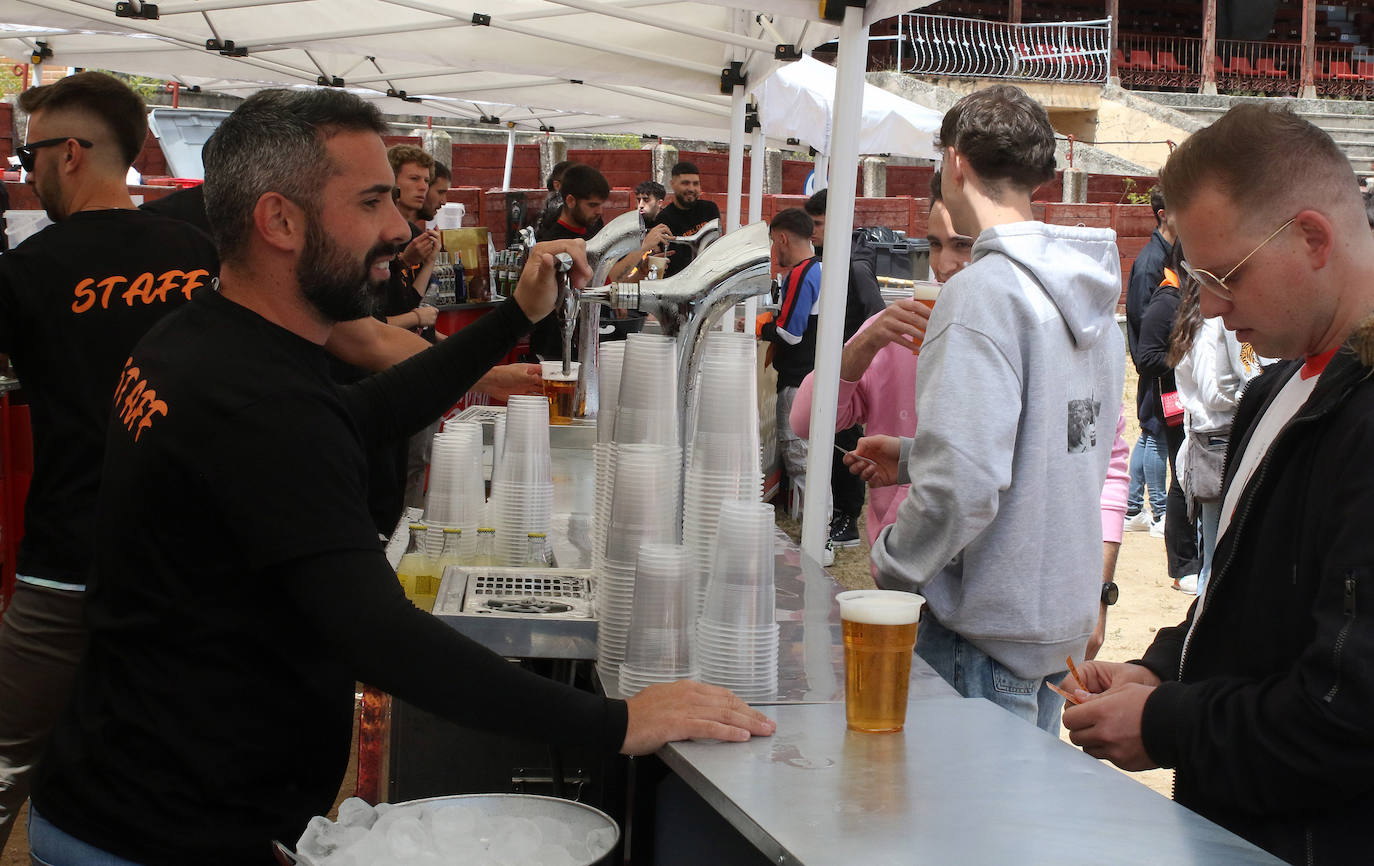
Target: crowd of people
pixel 201 581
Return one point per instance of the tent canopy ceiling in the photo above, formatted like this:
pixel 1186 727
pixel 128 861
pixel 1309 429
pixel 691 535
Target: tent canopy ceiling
pixel 610 65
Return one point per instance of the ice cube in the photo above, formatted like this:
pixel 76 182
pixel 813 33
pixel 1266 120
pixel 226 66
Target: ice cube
pixel 406 838
pixel 357 812
pixel 600 840
pixel 516 840
pixel 554 831
pixel 554 855
pixel 314 842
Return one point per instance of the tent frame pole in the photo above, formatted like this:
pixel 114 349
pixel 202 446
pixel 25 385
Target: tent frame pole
pixel 839 224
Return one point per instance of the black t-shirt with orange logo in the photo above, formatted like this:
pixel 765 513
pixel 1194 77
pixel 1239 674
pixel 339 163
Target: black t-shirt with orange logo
pixel 239 591
pixel 74 299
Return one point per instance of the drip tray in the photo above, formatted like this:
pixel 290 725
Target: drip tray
pixel 521 613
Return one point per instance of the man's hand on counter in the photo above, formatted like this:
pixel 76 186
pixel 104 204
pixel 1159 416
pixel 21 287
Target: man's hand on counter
pixel 509 380
pixel 537 291
pixel 687 710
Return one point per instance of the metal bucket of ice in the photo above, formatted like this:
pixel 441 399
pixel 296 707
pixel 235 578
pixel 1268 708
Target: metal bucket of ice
pixel 491 828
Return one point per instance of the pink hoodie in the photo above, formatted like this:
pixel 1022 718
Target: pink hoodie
pixel 870 402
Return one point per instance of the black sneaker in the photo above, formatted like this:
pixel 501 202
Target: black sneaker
pixel 844 531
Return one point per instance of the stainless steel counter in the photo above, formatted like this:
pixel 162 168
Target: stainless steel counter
pixel 966 782
pixel 811 649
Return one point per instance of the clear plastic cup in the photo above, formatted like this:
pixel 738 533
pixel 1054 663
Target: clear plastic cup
pixel 879 636
pixel 661 623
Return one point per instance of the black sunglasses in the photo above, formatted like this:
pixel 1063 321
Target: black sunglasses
pixel 26 153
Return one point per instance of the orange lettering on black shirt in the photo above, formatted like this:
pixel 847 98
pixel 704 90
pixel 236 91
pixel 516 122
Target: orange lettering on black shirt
pixel 143 289
pixel 194 280
pixel 137 404
pixel 165 283
pixel 85 298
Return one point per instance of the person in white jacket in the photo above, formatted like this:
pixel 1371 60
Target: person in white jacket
pixel 1211 367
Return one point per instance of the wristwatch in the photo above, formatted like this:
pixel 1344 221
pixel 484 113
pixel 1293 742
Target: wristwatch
pixel 1110 593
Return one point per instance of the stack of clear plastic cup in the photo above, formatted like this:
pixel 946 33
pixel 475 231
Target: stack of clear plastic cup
pixel 661 633
pixel 610 357
pixel 723 456
pixel 646 406
pixel 522 484
pixel 737 634
pixel 644 510
pixel 456 497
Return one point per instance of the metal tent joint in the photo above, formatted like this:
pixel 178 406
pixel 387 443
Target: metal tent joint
pixel 786 52
pixel 731 77
pixel 136 9
pixel 41 52
pixel 329 81
pixel 395 94
pixel 481 19
pixel 227 48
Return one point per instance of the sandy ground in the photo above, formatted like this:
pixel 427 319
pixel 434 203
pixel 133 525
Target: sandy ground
pixel 1147 603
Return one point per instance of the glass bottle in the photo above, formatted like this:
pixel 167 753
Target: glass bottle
pixel 450 555
pixel 416 571
pixel 537 551
pixel 486 547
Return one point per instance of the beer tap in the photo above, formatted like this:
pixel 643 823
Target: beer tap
pixel 567 307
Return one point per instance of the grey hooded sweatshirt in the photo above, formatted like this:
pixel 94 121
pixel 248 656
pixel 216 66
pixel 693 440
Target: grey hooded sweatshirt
pixel 1017 393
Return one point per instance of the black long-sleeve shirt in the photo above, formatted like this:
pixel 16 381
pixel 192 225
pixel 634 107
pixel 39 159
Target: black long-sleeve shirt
pixel 240 591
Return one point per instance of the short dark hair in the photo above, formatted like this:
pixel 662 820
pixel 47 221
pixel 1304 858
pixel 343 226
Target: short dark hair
pixel 441 170
pixel 815 206
pixel 686 168
pixel 275 142
pixel 103 97
pixel 794 221
pixel 936 194
pixel 1265 160
pixel 583 182
pixel 651 188
pixel 1005 135
pixel 556 173
pixel 1156 202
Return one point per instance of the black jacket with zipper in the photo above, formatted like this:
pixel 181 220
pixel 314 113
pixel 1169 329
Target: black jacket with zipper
pixel 1267 711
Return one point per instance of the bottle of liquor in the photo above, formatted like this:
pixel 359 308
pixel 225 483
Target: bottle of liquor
pixel 537 554
pixel 416 571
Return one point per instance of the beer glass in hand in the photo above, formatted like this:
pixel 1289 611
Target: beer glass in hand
pixel 879 637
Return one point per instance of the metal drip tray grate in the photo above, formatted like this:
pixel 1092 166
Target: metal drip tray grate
pixel 510 592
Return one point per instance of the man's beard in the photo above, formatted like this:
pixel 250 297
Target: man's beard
pixel 49 193
pixel 685 199
pixel 337 286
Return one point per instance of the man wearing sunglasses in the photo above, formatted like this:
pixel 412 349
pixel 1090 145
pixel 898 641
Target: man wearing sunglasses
pixel 74 299
pixel 1262 699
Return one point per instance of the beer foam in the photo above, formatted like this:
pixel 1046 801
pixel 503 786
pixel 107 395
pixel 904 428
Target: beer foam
pixel 925 291
pixel 880 607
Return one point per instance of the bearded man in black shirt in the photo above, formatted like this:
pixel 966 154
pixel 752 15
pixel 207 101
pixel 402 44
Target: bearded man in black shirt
pixel 686 213
pixel 239 589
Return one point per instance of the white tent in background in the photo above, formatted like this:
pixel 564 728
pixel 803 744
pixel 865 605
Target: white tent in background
pixel 798 101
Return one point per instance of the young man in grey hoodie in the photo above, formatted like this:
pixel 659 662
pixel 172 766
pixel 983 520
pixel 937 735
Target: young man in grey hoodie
pixel 1019 383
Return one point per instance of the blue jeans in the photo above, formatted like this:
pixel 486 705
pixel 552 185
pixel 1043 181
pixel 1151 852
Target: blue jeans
pixel 1211 521
pixel 975 674
pixel 49 846
pixel 1149 468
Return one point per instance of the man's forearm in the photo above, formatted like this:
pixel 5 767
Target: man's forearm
pixel 858 355
pixel 374 345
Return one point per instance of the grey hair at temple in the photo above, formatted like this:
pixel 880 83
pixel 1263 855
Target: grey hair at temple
pixel 275 142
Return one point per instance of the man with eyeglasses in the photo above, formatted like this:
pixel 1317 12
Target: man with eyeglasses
pixel 1262 699
pixel 74 299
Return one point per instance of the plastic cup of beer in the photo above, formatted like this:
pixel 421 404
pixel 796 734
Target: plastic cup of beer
pixel 926 293
pixel 561 391
pixel 879 637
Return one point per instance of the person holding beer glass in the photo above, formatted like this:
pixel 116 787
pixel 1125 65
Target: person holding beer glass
pixel 1000 530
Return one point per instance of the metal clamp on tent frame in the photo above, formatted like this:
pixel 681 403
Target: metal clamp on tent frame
pixel 833 10
pixel 751 120
pixel 489 118
pixel 136 9
pixel 787 52
pixel 396 94
pixel 481 19
pixel 41 52
pixel 227 48
pixel 335 81
pixel 731 77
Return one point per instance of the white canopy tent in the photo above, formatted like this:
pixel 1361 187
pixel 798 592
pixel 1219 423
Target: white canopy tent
pixel 797 100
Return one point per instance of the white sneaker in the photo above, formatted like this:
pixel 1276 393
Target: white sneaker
pixel 1140 522
pixel 828 557
pixel 1187 584
pixel 1157 528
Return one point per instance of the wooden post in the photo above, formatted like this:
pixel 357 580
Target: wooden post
pixel 1309 48
pixel 1113 32
pixel 1014 12
pixel 1209 46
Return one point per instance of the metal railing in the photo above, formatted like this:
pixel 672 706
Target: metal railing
pixel 1273 68
pixel 1075 52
